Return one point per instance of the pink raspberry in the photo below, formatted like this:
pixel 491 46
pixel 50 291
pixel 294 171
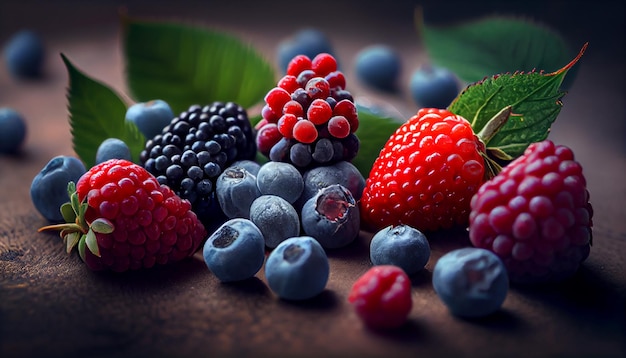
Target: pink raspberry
pixel 535 215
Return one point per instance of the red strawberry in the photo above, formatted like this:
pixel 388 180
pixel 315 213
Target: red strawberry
pixel 426 174
pixel 535 215
pixel 127 220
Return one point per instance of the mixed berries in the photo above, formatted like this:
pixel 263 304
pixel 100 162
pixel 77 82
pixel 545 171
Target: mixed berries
pixel 198 185
pixel 309 118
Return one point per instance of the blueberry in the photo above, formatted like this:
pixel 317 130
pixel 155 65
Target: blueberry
pixel 281 179
pixel 402 246
pixel 48 190
pixel 24 54
pixel 276 218
pixel 12 130
pixel 113 148
pixel 378 66
pixel 343 172
pixel 331 217
pixel 471 282
pixel 235 251
pixel 297 269
pixel 306 41
pixel 236 190
pixel 250 165
pixel 434 87
pixel 150 117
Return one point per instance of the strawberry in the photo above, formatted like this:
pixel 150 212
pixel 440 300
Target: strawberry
pixel 535 214
pixel 426 174
pixel 122 219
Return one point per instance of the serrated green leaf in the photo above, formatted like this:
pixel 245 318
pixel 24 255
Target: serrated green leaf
pixel 97 113
pixel 535 99
pixel 92 242
pixel 186 65
pixel 373 132
pixel 493 44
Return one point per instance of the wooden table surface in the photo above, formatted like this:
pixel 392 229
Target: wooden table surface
pixel 51 305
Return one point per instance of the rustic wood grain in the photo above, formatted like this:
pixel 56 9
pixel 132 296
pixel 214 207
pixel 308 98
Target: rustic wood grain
pixel 52 306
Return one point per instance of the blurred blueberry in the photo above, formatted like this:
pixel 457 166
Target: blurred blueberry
pixel 434 87
pixel 378 66
pixel 471 282
pixel 150 117
pixel 48 190
pixel 250 165
pixel 24 54
pixel 235 251
pixel 297 269
pixel 12 130
pixel 402 246
pixel 276 219
pixel 306 41
pixel 112 148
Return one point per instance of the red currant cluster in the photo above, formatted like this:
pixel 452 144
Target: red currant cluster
pixel 309 118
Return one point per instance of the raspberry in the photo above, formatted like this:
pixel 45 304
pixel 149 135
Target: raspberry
pixel 425 175
pixel 535 215
pixel 197 146
pixel 316 93
pixel 122 219
pixel 382 297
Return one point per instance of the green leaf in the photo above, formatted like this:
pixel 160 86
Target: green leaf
pixel 535 99
pixel 68 213
pixel 185 65
pixel 92 242
pixel 71 240
pixel 373 132
pixel 494 44
pixel 102 226
pixel 81 247
pixel 97 113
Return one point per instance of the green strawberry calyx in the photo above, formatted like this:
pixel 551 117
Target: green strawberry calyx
pixel 76 231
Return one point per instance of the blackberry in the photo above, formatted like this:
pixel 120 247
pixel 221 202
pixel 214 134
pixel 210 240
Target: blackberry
pixel 309 118
pixel 193 150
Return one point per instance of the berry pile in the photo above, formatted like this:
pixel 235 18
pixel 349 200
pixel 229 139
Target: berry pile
pixel 193 150
pixel 309 118
pixel 281 201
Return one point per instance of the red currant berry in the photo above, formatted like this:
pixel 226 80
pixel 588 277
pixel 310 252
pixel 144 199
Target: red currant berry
pixel 268 114
pixel 382 297
pixel 304 77
pixel 276 98
pixel 323 64
pixel 338 127
pixel 285 125
pixel 347 109
pixel 266 137
pixel 298 64
pixel 293 107
pixel 304 132
pixel 319 112
pixel 289 83
pixel 317 87
pixel 336 79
